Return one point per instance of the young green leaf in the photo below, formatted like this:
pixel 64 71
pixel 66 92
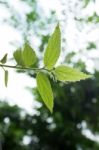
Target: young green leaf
pixel 53 49
pixel 6 78
pixel 18 57
pixel 64 73
pixel 45 90
pixel 28 55
pixel 4 59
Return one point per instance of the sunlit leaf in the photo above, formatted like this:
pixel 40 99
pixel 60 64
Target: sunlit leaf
pixel 4 59
pixel 53 49
pixel 25 57
pixel 6 77
pixel 18 57
pixel 64 73
pixel 28 55
pixel 45 90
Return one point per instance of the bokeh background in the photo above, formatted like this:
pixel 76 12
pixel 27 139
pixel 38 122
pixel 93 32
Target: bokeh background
pixel 25 122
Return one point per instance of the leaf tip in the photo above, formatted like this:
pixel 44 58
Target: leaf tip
pixel 58 26
pixel 87 76
pixel 51 109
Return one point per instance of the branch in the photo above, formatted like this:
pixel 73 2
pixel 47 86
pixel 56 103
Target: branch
pixel 22 68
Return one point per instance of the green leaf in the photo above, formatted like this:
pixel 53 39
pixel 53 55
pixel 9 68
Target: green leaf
pixel 64 73
pixel 53 49
pixel 28 55
pixel 6 78
pixel 18 57
pixel 45 90
pixel 4 59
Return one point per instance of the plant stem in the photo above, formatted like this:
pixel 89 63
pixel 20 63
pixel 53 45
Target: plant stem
pixel 22 68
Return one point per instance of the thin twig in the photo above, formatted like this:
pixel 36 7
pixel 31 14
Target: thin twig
pixel 22 68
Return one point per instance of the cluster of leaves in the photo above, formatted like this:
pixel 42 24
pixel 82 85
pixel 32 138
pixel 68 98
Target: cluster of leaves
pixel 26 58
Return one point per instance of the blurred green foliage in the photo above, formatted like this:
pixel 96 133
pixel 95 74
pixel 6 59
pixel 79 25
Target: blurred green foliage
pixel 75 105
